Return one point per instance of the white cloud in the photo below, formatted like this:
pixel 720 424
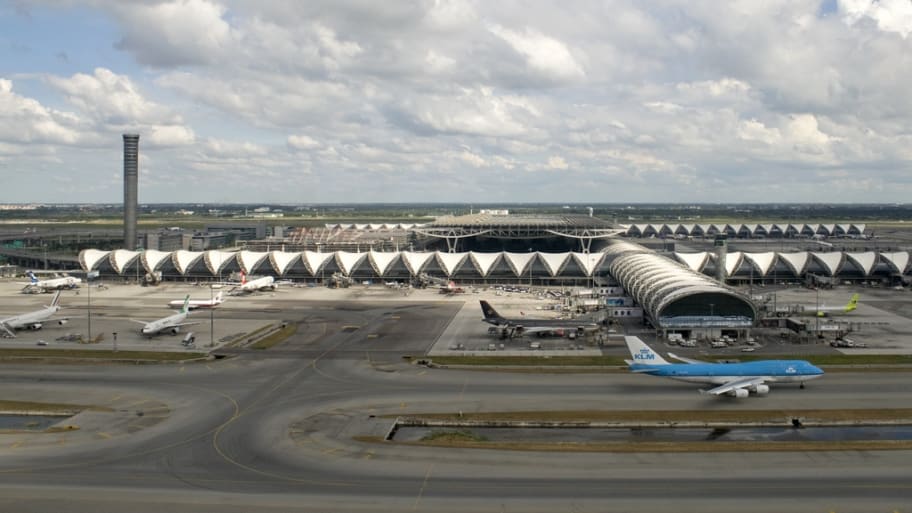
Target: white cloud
pixel 176 32
pixel 111 99
pixel 474 111
pixel 556 162
pixel 890 15
pixel 472 159
pixel 438 63
pixel 542 53
pixel 407 95
pixel 169 135
pixel 25 120
pixel 302 142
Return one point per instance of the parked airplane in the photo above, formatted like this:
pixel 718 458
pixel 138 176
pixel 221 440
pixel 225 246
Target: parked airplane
pixel 65 282
pixel 519 326
pixel 451 288
pixel 198 303
pixel 733 379
pixel 825 311
pixel 247 287
pixel 171 324
pixel 33 320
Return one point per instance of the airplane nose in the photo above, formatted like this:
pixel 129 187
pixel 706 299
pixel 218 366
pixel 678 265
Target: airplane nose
pixel 817 370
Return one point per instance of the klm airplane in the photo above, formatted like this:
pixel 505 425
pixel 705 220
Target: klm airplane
pixel 733 379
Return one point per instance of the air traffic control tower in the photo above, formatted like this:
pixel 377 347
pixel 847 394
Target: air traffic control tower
pixel 131 187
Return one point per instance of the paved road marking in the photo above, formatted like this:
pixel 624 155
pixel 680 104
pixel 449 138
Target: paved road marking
pixel 424 483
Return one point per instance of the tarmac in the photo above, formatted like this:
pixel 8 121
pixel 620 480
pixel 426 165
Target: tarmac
pixel 882 322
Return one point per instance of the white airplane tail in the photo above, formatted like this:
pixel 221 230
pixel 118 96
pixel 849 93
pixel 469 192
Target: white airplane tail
pixel 642 353
pixel 56 301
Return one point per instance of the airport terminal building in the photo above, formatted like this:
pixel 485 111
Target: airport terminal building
pixel 675 289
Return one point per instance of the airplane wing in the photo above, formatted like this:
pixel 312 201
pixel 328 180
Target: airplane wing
pixel 138 322
pixel 180 324
pixel 734 385
pixel 685 360
pixel 538 329
pixel 6 329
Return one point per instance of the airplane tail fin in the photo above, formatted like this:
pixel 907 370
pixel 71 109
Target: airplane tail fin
pixel 243 277
pixel 853 303
pixel 31 276
pixel 56 301
pixel 642 353
pixel 489 311
pixel 186 307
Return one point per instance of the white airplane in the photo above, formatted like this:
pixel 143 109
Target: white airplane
pixel 198 303
pixel 732 379
pixel 65 282
pixel 247 287
pixel 171 324
pixel 33 320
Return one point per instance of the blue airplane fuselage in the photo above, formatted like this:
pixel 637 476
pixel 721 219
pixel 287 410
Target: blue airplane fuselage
pixel 772 370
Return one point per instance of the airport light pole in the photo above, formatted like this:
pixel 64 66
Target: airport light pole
pixel 211 319
pixel 89 307
pixel 817 312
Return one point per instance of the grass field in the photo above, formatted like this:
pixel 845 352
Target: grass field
pixel 89 354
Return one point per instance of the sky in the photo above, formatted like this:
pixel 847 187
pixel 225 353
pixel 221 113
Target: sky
pixel 355 101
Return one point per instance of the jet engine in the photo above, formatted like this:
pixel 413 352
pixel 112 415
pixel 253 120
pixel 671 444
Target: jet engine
pixel 740 393
pixel 175 330
pixel 62 321
pixel 35 326
pixel 761 389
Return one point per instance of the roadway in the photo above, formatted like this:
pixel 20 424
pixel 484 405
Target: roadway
pixel 273 430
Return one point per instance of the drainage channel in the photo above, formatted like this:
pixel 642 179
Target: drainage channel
pixel 855 433
pixel 29 422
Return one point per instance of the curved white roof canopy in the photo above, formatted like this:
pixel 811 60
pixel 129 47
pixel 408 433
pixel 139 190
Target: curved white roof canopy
pixel 589 261
pixel 314 261
pixel 695 261
pixel 762 262
pixel 90 258
pixel 121 259
pixel 797 262
pixel 733 262
pixel 249 260
pixel 451 262
pixel 415 262
pixel 281 261
pixel 484 262
pixel 348 261
pixel 216 260
pixel 864 261
pixel 183 260
pixel 831 262
pixel 381 261
pixel 898 260
pixel 554 262
pixel 519 262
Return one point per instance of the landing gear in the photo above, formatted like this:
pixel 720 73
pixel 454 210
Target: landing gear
pixel 801 386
